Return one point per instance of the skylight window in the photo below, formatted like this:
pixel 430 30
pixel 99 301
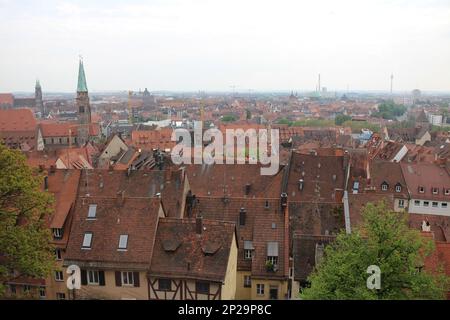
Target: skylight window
pixel 92 213
pixel 87 240
pixel 123 242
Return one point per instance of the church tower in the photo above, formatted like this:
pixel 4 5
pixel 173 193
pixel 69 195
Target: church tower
pixel 38 99
pixel 84 109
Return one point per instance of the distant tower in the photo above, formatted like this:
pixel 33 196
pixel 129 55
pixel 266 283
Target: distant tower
pixel 392 82
pixel 38 99
pixel 318 86
pixel 84 108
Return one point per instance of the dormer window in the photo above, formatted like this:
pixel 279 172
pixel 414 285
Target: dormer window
pixel 435 190
pixel 422 189
pixel 57 233
pixel 384 186
pixel 248 250
pixel 123 242
pixel 92 212
pixel 398 187
pixel 447 192
pixel 87 240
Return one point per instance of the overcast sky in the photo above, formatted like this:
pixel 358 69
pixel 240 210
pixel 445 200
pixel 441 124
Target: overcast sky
pixel 213 45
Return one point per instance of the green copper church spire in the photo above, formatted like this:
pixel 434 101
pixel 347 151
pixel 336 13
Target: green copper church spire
pixel 82 86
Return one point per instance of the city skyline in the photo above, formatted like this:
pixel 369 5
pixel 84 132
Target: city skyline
pixel 256 46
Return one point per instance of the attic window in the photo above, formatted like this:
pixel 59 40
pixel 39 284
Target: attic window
pixel 435 190
pixel 398 188
pixel 384 186
pixel 87 240
pixel 123 242
pixel 421 189
pixel 92 213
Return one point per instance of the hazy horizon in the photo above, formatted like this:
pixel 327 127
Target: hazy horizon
pixel 189 46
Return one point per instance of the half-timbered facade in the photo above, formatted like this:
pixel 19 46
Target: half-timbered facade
pixel 193 260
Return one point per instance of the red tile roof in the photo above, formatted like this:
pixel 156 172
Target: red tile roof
pixel 64 185
pixel 263 224
pixel 180 252
pixel 217 180
pixel 17 120
pixel 6 98
pixel 428 176
pixel 136 217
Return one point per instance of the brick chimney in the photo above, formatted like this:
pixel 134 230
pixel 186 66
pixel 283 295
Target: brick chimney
pixel 198 225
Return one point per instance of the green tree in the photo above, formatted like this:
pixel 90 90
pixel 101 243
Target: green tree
pixel 228 118
pixel 385 240
pixel 341 118
pixel 24 208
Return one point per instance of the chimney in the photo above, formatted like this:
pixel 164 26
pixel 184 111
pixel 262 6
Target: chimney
pixel 284 200
pixel 301 183
pixel 426 226
pixel 248 187
pixel 198 225
pixel 46 182
pixel 242 216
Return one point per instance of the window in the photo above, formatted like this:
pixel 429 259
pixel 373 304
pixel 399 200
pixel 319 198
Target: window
pixel 426 203
pixel 444 205
pixel 398 188
pixel 26 288
pixel 435 190
pixel 416 203
pixel 247 282
pixel 60 296
pixel 434 204
pixel 59 276
pixel 260 289
pixel 401 203
pixel 92 212
pixel 42 294
pixel 164 284
pixel 384 186
pixel 87 240
pixel 447 192
pixel 127 278
pixel 248 250
pixel 12 289
pixel 202 287
pixel 273 260
pixel 266 204
pixel 58 254
pixel 272 255
pixel 421 189
pixel 123 242
pixel 93 277
pixel 57 233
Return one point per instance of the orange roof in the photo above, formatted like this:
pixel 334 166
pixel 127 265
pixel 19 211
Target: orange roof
pixel 17 120
pixel 63 184
pixel 6 98
pixel 58 129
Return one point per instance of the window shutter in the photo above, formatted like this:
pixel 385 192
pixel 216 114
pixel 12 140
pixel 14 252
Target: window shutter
pixel 83 277
pixel 101 278
pixel 136 279
pixel 118 279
